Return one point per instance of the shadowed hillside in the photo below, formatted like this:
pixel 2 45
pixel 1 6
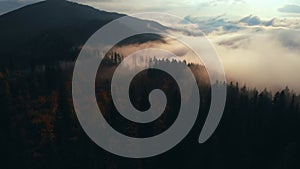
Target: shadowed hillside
pixel 55 30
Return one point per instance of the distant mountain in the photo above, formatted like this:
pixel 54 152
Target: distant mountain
pixel 52 30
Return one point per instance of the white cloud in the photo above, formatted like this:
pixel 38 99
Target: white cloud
pixel 261 56
pixel 263 61
pixel 290 9
pixel 257 52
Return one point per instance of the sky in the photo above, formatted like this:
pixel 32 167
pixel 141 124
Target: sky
pixel 232 8
pixel 258 41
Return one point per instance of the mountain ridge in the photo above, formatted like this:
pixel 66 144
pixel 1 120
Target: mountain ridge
pixel 52 30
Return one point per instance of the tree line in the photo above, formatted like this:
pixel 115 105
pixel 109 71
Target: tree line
pixel 39 127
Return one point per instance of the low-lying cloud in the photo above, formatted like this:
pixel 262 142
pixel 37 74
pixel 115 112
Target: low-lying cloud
pixel 261 53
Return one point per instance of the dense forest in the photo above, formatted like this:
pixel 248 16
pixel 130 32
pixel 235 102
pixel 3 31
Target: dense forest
pixel 39 128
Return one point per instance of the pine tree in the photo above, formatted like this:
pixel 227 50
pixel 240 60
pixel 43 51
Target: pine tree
pixel 6 112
